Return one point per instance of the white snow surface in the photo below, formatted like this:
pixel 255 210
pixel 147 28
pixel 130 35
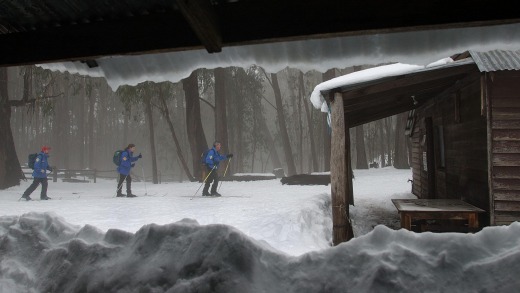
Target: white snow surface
pixel 260 236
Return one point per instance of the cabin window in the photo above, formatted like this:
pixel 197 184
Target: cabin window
pixel 439 138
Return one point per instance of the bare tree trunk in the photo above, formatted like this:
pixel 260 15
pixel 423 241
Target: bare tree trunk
pixel 388 138
pixel 80 134
pixel 314 157
pixel 275 159
pixel 253 151
pixel 300 130
pixel 92 102
pixel 58 127
pixel 126 122
pixel 381 141
pixel 401 155
pixel 291 169
pixel 361 162
pixel 166 115
pixel 10 170
pixel 196 136
pixel 330 74
pixel 221 129
pixel 149 117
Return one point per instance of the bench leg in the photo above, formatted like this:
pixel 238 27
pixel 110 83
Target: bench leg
pixel 406 221
pixel 473 222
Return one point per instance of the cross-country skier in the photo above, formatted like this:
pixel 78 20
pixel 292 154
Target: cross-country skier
pixel 41 165
pixel 127 163
pixel 212 161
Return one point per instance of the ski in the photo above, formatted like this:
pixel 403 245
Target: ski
pixel 157 194
pixel 38 199
pixel 223 196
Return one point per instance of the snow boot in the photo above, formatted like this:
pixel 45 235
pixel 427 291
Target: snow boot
pixel 120 194
pixel 45 198
pixel 129 194
pixel 27 198
pixel 215 194
pixel 205 193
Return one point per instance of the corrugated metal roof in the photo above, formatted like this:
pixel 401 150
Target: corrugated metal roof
pixel 496 60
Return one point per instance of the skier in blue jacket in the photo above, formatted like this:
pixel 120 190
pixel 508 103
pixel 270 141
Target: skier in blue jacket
pixel 213 158
pixel 126 164
pixel 41 165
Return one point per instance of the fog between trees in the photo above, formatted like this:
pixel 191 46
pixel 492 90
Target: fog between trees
pixel 85 121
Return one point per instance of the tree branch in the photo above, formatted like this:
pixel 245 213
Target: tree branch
pixel 209 104
pixel 271 83
pixel 20 103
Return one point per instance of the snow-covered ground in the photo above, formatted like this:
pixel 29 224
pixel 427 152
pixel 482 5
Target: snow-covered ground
pixel 260 236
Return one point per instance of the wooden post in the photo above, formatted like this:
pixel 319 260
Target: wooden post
pixel 55 174
pixel 339 172
pixel 95 175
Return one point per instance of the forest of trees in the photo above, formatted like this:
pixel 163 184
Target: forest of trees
pixel 265 119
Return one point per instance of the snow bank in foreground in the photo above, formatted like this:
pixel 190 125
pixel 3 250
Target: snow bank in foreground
pixel 43 253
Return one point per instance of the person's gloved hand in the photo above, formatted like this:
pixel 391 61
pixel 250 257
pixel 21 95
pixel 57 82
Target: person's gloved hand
pixel 229 156
pixel 140 156
pixel 133 165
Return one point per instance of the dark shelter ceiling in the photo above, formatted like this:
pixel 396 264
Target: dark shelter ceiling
pixel 40 31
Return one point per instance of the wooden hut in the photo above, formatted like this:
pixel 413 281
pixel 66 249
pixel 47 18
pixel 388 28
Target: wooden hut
pixel 464 123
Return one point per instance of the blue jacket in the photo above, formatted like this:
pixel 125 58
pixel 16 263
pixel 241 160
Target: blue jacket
pixel 41 165
pixel 213 158
pixel 126 162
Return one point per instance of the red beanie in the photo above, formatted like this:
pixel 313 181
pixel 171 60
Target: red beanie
pixel 45 148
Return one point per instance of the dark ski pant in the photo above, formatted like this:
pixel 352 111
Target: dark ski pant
pixel 35 184
pixel 128 183
pixel 213 176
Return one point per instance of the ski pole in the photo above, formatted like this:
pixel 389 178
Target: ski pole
pixel 203 182
pixel 144 179
pixel 225 171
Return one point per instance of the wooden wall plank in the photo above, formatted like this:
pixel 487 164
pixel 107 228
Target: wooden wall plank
pixel 506 113
pixel 505 124
pixel 506 134
pixel 506 101
pixel 506 160
pixel 506 218
pixel 507 206
pixel 506 147
pixel 506 172
pixel 507 195
pixel 506 184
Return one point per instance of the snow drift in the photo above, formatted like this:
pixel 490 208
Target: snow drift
pixel 40 252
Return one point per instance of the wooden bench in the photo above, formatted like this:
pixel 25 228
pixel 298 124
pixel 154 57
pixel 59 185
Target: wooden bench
pixel 412 210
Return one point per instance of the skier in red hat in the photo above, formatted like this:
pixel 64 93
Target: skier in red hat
pixel 41 165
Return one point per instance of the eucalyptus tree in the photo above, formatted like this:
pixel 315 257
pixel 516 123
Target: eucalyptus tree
pixel 310 123
pixel 166 93
pixel 329 74
pixel 245 111
pixel 10 169
pixel 142 94
pixel 401 154
pixel 194 129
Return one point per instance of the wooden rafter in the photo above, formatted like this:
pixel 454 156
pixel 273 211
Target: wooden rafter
pixel 203 20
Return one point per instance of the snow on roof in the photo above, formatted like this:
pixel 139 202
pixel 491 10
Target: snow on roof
pixel 366 75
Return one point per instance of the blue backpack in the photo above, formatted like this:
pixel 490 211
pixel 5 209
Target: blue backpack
pixel 117 157
pixel 32 160
pixel 203 157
